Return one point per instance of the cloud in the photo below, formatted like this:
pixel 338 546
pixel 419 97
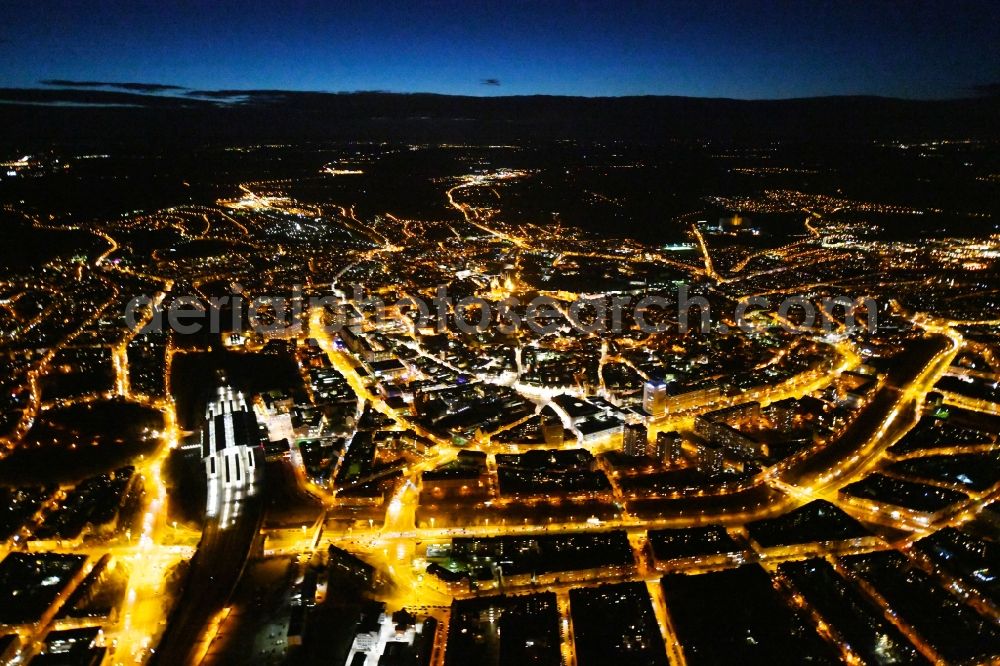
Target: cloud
pixel 134 87
pixel 490 82
pixel 219 94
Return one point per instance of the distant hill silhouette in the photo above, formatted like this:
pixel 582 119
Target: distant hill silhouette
pixel 31 116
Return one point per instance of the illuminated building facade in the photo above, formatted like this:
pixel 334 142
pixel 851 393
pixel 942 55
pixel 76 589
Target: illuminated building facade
pixel 654 397
pixel 228 439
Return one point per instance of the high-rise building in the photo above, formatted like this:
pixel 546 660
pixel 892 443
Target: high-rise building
pixel 228 440
pixel 669 448
pixel 710 458
pixel 634 440
pixel 654 397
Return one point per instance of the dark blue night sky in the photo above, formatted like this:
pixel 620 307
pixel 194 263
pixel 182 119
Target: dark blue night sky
pixel 766 49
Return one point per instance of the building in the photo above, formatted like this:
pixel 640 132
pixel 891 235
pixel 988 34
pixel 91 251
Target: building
pixel 599 428
pixel 716 427
pixel 634 439
pixel 789 414
pixel 684 398
pixel 228 441
pixel 279 426
pixel 10 646
pixel 856 389
pixel 552 429
pixel 388 368
pixel 382 638
pixel 465 477
pixel 731 439
pixel 710 458
pixel 368 349
pixel 73 647
pixel 654 397
pixel 741 412
pixel 783 413
pixel 277 450
pixel 32 585
pixel 345 566
pixel 277 402
pixel 669 448
pixel 576 409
